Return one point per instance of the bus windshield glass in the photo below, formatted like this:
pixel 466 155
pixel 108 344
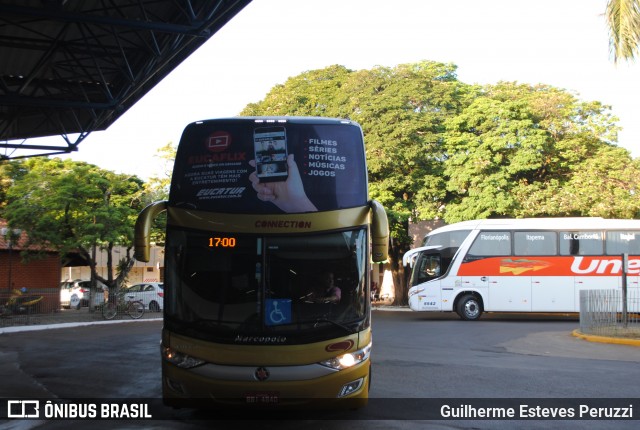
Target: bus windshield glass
pixel 245 287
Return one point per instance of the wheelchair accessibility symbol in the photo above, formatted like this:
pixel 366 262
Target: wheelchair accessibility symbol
pixel 278 311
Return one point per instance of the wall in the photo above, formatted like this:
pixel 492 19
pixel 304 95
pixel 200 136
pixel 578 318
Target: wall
pixel 418 230
pixel 39 276
pixel 153 271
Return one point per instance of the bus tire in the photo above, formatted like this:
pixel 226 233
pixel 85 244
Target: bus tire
pixel 469 307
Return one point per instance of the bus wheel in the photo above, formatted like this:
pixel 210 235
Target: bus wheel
pixel 469 308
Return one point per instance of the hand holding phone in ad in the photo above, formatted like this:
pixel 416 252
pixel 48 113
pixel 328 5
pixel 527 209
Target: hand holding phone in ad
pixel 288 195
pixel 270 153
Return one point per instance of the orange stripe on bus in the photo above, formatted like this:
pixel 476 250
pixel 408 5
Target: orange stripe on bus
pixel 549 266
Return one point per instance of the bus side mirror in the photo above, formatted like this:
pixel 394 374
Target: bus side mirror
pixel 142 232
pixel 379 233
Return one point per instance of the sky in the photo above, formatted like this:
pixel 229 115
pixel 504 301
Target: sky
pixel 563 43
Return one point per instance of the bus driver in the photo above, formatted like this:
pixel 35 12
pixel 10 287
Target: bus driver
pixel 327 292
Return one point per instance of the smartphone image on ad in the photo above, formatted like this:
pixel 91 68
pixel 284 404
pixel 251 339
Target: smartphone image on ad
pixel 270 147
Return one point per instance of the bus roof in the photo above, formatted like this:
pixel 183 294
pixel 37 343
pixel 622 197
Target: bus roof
pixel 281 120
pixel 567 223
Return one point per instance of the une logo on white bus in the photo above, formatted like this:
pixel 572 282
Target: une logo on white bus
pixel 218 141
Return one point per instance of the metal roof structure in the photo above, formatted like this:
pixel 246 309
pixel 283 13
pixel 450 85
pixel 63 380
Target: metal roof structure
pixel 70 67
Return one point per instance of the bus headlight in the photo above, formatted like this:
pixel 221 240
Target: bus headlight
pixel 349 359
pixel 179 359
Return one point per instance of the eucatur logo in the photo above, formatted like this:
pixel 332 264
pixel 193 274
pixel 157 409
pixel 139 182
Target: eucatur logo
pixel 218 141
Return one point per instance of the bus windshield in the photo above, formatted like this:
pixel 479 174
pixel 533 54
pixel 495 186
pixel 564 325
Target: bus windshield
pixel 241 288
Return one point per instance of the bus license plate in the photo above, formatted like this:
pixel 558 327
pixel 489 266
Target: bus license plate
pixel 262 397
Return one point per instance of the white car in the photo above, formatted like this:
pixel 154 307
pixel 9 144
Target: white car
pixel 149 293
pixel 76 294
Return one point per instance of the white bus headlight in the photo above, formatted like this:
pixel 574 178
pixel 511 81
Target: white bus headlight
pixel 179 359
pixel 349 359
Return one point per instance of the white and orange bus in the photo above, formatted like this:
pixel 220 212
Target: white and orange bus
pixel 521 265
pixel 269 241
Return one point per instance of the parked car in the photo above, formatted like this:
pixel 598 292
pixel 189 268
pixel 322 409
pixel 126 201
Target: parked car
pixel 78 293
pixel 149 293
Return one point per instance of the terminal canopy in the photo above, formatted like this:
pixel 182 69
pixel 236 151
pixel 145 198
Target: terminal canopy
pixel 70 67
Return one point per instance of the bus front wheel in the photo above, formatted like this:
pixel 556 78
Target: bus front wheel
pixel 469 308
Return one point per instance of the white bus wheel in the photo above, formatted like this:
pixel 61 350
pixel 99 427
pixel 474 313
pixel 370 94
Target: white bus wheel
pixel 469 308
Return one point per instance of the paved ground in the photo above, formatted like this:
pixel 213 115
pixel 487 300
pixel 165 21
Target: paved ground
pixel 73 317
pixel 62 318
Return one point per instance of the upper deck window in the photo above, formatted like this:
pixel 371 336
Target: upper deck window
pixel 224 166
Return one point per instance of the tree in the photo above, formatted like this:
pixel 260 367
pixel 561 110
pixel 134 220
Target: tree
pixel 520 150
pixel 157 188
pixel 76 207
pixel 439 148
pixel 605 184
pixel 402 111
pixel 623 20
pixel 10 171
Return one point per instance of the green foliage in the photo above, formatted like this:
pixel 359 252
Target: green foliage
pixel 520 150
pixel 73 206
pixel 440 148
pixel 437 147
pixel 157 188
pixel 623 20
pixel 402 112
pixel 10 171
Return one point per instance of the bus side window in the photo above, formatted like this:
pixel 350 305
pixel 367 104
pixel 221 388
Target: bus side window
pixel 490 244
pixel 620 242
pixel 535 243
pixel 581 243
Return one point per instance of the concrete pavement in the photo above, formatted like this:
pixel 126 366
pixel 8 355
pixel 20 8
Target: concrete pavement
pixel 64 318
pixel 81 317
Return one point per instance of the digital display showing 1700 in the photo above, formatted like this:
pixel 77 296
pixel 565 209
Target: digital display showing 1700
pixel 222 242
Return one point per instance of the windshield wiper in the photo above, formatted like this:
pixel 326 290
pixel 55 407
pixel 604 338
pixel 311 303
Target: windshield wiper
pixel 335 323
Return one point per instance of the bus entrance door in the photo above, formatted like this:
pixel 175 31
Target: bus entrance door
pixel 425 276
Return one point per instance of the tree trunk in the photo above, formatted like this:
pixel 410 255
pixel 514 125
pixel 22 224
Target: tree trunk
pixel 398 274
pixel 124 267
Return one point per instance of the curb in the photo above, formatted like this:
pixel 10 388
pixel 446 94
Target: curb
pixel 53 325
pixel 23 328
pixel 390 308
pixel 606 339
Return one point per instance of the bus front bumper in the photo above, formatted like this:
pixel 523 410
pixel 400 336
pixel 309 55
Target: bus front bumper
pixel 304 386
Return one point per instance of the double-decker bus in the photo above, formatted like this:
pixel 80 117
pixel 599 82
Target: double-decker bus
pixel 521 265
pixel 270 237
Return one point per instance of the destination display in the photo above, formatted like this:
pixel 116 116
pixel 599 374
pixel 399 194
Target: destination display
pixel 292 165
